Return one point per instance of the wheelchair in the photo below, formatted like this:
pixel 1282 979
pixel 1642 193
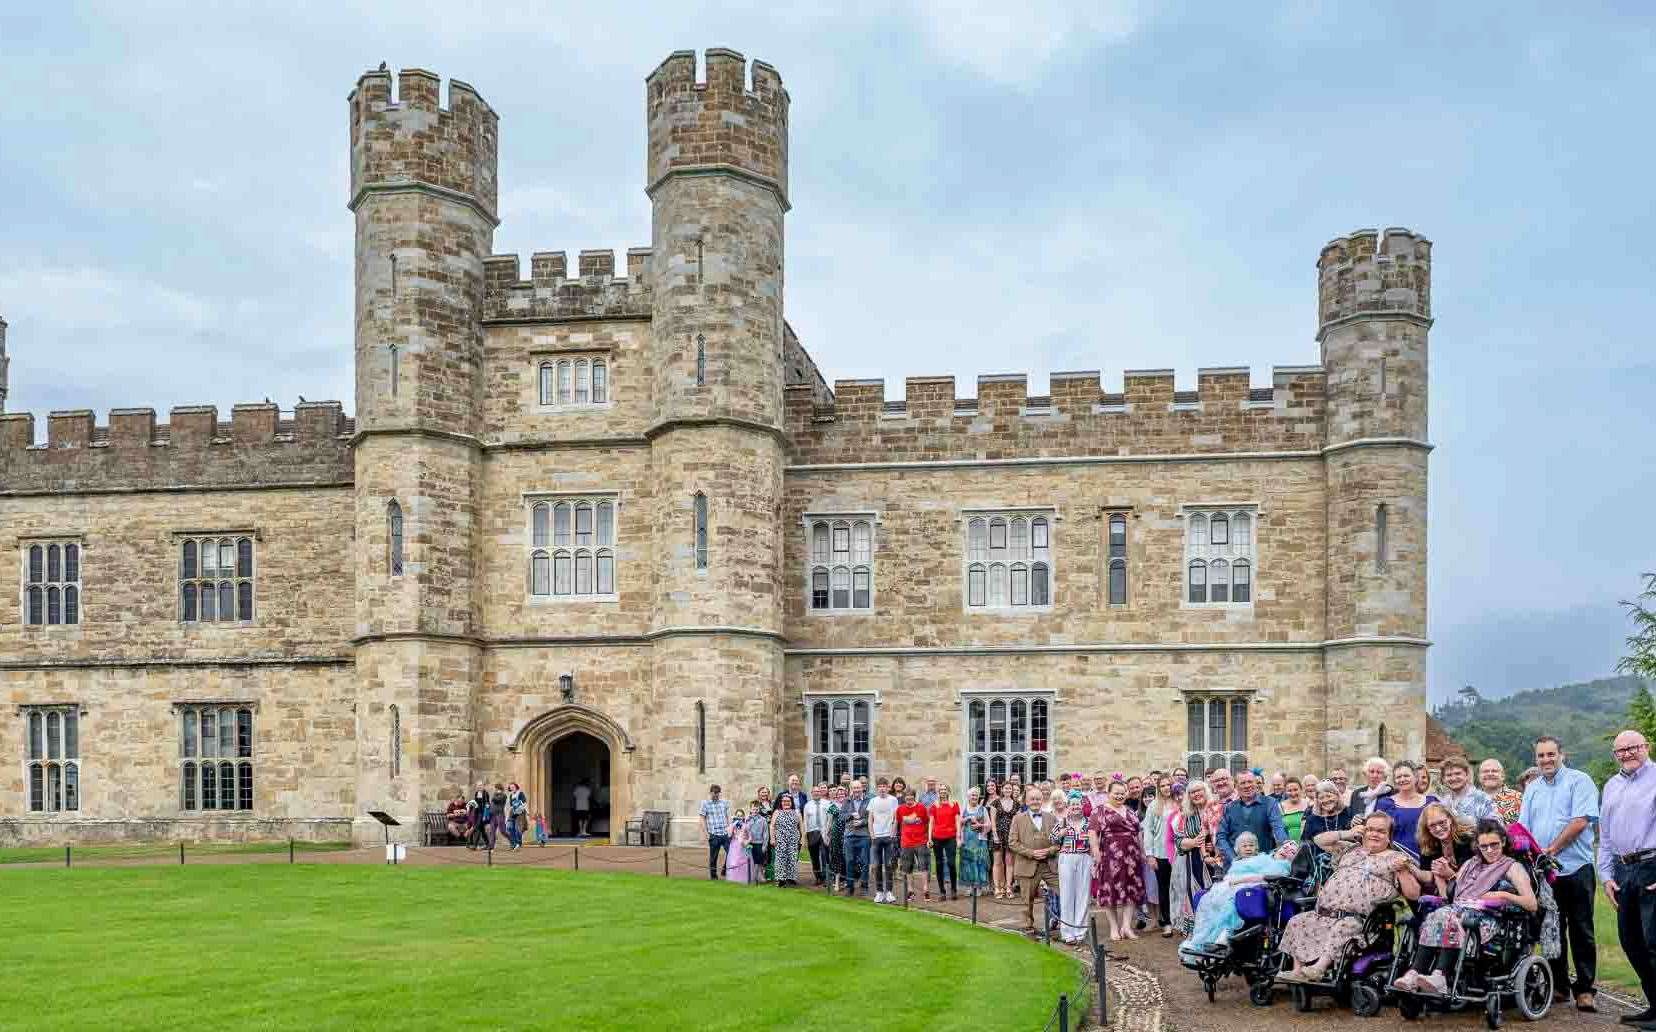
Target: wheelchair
pixel 1252 952
pixel 1361 974
pixel 1490 971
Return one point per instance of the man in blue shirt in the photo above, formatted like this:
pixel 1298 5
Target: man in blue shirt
pixel 1250 811
pixel 1559 808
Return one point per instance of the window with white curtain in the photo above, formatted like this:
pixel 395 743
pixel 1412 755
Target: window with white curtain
pixel 1216 733
pixel 840 574
pixel 51 754
pixel 51 583
pixel 578 381
pixel 841 730
pixel 1220 561
pixel 1008 562
pixel 1008 733
pixel 571 553
pixel 215 576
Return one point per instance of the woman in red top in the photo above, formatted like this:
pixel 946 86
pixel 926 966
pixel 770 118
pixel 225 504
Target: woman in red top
pixel 913 832
pixel 945 832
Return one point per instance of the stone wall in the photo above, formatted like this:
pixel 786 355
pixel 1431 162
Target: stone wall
pixel 304 752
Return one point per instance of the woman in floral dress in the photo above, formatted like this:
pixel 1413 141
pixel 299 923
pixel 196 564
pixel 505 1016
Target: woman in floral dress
pixel 1368 872
pixel 785 842
pixel 974 842
pixel 1118 878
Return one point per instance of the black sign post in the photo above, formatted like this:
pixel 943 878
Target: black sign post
pixel 388 822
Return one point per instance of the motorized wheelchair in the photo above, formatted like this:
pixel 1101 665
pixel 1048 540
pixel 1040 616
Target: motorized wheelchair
pixel 1499 963
pixel 1252 951
pixel 1359 976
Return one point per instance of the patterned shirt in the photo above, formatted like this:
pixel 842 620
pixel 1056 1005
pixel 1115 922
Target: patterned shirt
pixel 716 812
pixel 1508 801
pixel 1470 807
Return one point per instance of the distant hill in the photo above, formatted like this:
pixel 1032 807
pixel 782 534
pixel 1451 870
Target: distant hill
pixel 1584 717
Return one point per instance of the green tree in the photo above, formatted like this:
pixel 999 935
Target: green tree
pixel 1641 713
pixel 1641 644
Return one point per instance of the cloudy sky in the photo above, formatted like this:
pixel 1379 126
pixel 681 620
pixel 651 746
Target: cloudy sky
pixel 976 189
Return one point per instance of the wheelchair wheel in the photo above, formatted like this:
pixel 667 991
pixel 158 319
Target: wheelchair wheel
pixel 1410 1006
pixel 1532 988
pixel 1259 994
pixel 1492 1012
pixel 1302 999
pixel 1365 1000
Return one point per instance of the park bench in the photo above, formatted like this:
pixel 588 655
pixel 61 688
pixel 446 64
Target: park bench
pixel 434 830
pixel 650 830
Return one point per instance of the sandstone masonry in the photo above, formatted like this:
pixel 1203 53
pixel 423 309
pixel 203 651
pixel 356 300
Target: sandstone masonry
pixel 609 522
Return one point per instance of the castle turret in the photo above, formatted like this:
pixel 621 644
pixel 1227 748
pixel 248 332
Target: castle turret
pixel 424 194
pixel 1374 313
pixel 718 180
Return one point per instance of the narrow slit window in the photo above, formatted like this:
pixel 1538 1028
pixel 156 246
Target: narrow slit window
pixel 394 538
pixel 700 530
pixel 1381 533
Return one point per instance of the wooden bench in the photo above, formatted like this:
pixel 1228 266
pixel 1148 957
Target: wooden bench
pixel 434 830
pixel 651 829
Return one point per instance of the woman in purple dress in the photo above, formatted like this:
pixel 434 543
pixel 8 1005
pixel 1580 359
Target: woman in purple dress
pixel 1118 877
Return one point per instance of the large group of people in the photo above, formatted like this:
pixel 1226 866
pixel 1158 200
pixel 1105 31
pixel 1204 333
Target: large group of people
pixel 1169 850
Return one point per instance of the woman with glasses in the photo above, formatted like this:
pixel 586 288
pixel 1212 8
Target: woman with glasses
pixel 1444 842
pixel 1492 879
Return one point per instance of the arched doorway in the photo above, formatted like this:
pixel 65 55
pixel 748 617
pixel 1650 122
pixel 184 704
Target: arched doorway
pixel 553 751
pixel 575 761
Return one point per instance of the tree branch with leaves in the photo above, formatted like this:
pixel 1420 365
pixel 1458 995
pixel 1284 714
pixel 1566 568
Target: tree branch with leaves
pixel 1640 660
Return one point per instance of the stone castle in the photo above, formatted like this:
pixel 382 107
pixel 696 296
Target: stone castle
pixel 618 529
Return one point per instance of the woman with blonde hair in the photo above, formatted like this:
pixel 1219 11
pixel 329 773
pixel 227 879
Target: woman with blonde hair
pixel 1190 870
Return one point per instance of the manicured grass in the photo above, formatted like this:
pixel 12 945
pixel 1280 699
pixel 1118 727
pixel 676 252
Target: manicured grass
pixel 325 946
pixel 1613 969
pixel 150 850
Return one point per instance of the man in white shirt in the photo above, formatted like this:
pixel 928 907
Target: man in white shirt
pixel 816 829
pixel 583 808
pixel 882 830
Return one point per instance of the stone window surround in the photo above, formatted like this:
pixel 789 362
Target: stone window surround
pixel 26 711
pixel 1255 510
pixel 966 515
pixel 1108 514
pixel 986 696
pixel 1228 698
pixel 541 358
pixel 182 706
pixel 875 519
pixel 809 700
pixel 530 500
pixel 24 544
pixel 254 535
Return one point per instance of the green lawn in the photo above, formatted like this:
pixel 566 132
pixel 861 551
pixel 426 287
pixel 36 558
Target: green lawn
pixel 150 850
pixel 371 947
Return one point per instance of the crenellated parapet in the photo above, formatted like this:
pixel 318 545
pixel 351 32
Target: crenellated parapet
pixel 1226 413
pixel 720 125
pixel 411 140
pixel 194 449
pixel 551 292
pixel 1371 272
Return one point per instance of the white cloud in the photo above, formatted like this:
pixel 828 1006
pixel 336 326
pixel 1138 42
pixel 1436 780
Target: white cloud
pixel 90 298
pixel 1013 43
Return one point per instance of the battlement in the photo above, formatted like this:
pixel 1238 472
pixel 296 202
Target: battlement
pixel 550 292
pixel 1372 272
pixel 413 140
pixel 720 124
pixel 1148 416
pixel 132 452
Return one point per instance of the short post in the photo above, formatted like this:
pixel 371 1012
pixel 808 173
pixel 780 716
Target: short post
pixel 1063 1012
pixel 577 858
pixel 490 854
pixel 181 854
pixel 67 862
pixel 290 849
pixel 1100 959
pixel 665 872
pixel 905 891
pixel 974 904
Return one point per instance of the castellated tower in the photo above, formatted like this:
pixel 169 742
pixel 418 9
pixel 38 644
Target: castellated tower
pixel 718 180
pixel 423 192
pixel 1374 312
